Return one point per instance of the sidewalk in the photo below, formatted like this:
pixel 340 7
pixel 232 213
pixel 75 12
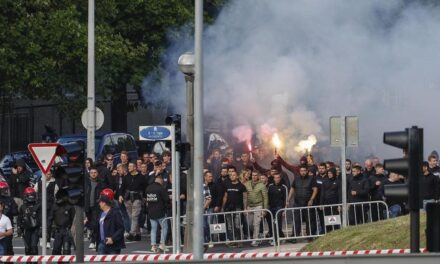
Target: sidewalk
pixel 286 247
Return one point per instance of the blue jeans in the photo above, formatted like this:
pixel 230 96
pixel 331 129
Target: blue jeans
pixel 164 230
pixel 395 210
pixel 103 249
pixel 2 247
pixel 207 220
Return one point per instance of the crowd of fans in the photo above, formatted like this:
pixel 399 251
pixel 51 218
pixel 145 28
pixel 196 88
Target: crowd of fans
pixel 136 196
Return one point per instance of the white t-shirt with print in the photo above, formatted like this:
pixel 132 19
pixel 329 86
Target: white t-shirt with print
pixel 5 224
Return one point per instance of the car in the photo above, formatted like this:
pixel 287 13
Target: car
pixel 107 143
pixel 8 162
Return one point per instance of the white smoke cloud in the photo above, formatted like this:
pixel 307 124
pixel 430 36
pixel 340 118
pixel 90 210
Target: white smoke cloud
pixel 293 64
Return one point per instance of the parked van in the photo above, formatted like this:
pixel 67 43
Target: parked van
pixel 107 143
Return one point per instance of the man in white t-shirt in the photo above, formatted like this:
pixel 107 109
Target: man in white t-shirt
pixel 5 229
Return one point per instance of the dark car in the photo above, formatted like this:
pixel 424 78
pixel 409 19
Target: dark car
pixel 8 162
pixel 107 143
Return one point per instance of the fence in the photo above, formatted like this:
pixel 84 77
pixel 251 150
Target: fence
pixel 237 227
pixel 314 221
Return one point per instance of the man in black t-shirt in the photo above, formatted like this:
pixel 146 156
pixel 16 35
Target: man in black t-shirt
pixel 304 189
pixel 157 203
pixel 234 199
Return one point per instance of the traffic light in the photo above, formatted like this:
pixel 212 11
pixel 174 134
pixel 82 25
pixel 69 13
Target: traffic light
pixel 177 121
pixel 70 173
pixel 185 156
pixel 411 142
pixel 410 166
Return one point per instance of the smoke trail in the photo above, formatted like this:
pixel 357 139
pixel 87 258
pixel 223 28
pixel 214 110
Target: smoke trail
pixel 290 65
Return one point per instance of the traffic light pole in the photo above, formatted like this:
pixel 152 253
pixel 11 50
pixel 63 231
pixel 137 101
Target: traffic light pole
pixel 415 154
pixel 79 233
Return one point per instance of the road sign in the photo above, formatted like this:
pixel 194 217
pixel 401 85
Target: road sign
pixel 351 131
pixel 99 118
pixel 44 155
pixel 152 133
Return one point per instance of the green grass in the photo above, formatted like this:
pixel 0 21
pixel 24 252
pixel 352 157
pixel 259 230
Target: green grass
pixel 389 234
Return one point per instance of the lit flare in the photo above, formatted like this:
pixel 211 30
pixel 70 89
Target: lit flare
pixel 306 145
pixel 276 142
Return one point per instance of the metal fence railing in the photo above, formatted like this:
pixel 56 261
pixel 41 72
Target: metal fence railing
pixel 237 227
pixel 260 226
pixel 314 221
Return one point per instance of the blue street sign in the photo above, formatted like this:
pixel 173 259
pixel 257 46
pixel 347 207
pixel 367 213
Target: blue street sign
pixel 154 133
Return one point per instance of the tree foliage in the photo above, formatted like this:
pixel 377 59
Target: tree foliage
pixel 43 46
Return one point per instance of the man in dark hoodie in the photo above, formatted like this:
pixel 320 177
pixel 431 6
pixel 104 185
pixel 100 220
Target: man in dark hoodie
pixel 357 192
pixel 330 194
pixel 429 185
pixel 375 182
pixel 19 181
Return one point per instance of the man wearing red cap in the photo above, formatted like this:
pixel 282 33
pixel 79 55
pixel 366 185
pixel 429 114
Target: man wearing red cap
pixel 110 225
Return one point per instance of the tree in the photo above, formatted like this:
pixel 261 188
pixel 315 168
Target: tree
pixel 43 52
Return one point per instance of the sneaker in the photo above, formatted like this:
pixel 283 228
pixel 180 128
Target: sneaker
pixel 293 241
pixel 126 234
pixel 48 245
pixel 137 238
pixel 154 249
pixel 92 246
pixel 163 248
pixel 272 243
pixel 130 237
pixel 255 244
pixel 231 245
pixel 210 245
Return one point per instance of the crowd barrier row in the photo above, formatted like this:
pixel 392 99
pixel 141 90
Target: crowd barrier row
pixel 259 226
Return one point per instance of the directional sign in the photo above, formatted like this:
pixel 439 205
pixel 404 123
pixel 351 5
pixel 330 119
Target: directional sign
pixel 44 155
pixel 155 133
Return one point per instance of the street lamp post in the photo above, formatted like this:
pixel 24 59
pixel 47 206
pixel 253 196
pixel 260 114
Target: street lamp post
pixel 186 66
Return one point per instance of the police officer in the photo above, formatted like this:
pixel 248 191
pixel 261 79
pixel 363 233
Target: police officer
pixel 63 214
pixel 10 210
pixel 29 220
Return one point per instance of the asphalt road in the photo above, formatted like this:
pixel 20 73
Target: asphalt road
pixel 143 247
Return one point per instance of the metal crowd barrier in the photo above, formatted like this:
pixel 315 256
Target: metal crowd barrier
pixel 314 221
pixel 237 227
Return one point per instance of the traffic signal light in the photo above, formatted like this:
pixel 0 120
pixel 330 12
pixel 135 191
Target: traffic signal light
pixel 411 142
pixel 70 173
pixel 185 156
pixel 177 121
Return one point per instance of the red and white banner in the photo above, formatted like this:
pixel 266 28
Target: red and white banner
pixel 209 256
